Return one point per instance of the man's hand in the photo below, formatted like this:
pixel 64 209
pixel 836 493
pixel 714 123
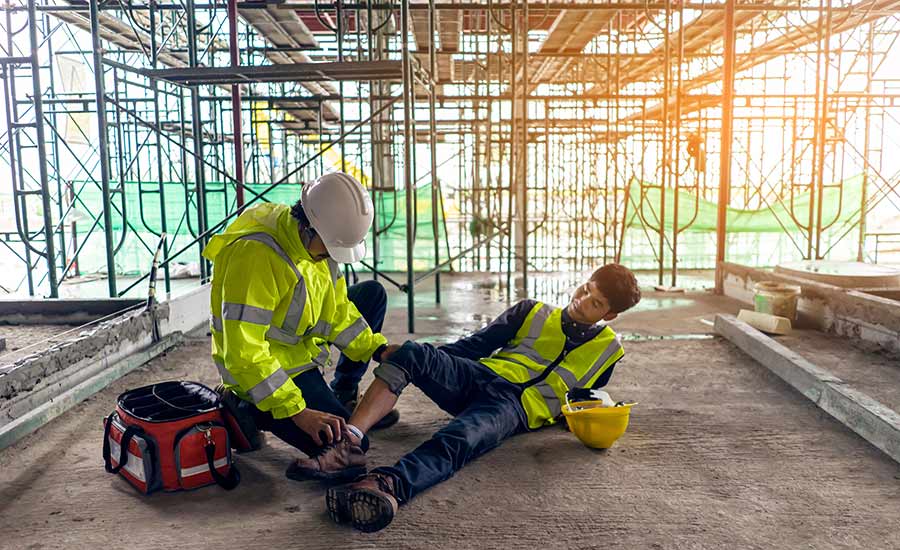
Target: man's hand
pixel 387 352
pixel 315 423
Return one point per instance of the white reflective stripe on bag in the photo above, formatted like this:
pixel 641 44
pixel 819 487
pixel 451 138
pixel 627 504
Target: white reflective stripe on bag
pixel 134 465
pixel 202 468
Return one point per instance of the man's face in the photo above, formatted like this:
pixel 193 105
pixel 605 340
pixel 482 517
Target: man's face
pixel 589 305
pixel 314 245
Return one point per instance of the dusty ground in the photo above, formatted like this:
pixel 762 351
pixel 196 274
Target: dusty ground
pixel 720 454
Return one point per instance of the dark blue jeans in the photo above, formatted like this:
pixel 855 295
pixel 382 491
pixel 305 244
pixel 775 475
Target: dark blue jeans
pixel 370 299
pixel 486 407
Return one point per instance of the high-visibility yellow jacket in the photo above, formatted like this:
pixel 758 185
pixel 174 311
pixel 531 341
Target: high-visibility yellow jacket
pixel 539 345
pixel 275 311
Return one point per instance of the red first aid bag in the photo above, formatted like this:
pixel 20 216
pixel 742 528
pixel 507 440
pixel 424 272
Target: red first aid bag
pixel 169 436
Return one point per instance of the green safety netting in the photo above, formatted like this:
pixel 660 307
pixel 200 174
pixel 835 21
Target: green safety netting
pixel 759 237
pixel 839 205
pixel 390 211
pixel 755 237
pixel 142 212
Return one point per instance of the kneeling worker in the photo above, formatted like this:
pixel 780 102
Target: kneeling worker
pixel 279 301
pixel 508 378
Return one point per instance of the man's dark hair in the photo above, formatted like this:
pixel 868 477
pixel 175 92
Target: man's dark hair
pixel 299 215
pixel 619 285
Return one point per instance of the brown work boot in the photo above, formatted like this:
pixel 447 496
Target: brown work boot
pixel 369 504
pixel 339 461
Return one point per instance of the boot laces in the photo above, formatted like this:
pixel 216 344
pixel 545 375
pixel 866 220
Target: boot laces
pixel 383 482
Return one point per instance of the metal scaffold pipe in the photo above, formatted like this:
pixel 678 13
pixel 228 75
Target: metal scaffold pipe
pixel 727 137
pixel 103 149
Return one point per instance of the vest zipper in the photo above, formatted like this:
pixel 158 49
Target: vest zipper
pixel 550 368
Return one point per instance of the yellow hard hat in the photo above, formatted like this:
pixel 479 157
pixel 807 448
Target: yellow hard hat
pixel 596 425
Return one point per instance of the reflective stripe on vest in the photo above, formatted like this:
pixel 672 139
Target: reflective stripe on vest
pixel 550 398
pixel 283 336
pixel 268 386
pixel 287 333
pixel 227 377
pixel 246 313
pixel 321 328
pixel 567 377
pixel 320 360
pixel 610 350
pixel 349 334
pixel 526 346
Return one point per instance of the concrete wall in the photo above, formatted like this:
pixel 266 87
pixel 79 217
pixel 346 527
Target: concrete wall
pixel 851 313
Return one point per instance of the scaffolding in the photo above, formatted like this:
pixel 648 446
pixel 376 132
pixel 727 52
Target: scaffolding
pixel 601 111
pixel 509 137
pixel 195 112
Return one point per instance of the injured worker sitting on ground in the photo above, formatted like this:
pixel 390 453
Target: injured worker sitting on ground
pixel 506 379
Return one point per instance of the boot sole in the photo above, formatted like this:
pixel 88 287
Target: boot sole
pixel 304 474
pixel 337 499
pixel 371 511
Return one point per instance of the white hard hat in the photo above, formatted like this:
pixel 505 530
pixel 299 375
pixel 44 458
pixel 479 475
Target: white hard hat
pixel 341 212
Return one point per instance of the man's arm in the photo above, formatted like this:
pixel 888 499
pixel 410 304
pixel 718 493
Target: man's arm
pixel 249 297
pixel 492 337
pixel 349 330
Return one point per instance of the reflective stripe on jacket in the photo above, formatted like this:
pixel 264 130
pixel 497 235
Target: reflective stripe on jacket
pixel 275 311
pixel 540 342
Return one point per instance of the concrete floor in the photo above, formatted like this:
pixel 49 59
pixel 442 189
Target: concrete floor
pixel 720 453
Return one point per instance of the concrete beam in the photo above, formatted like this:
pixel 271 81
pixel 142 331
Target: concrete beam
pixel 61 311
pixel 108 341
pixel 47 410
pixel 845 312
pixel 39 387
pixel 875 422
pixel 187 312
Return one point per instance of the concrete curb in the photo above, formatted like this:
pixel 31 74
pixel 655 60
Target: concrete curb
pixel 42 386
pixel 875 422
pixel 50 409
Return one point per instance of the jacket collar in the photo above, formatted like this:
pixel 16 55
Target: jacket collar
pixel 289 237
pixel 579 332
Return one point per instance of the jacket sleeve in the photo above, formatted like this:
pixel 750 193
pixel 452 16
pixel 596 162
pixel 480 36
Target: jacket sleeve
pixel 250 293
pixel 486 341
pixel 348 329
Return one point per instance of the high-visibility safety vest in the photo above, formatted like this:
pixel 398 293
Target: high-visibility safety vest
pixel 275 311
pixel 539 346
